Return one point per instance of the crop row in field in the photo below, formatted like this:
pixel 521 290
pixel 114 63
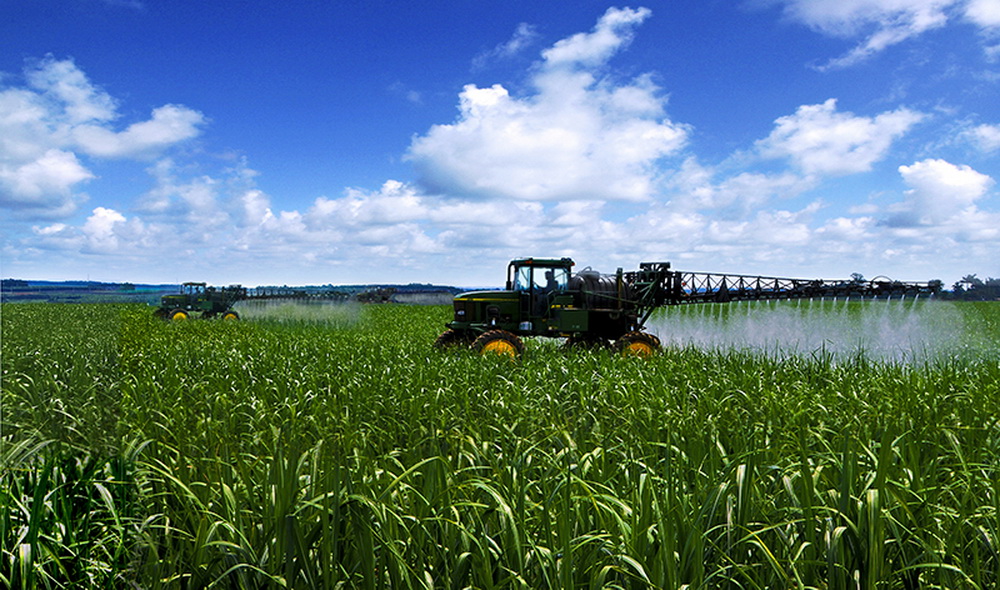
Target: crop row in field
pixel 289 451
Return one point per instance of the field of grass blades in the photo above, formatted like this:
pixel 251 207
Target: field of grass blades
pixel 333 448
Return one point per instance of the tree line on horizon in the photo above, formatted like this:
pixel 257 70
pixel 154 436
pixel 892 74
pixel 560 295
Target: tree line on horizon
pixel 972 288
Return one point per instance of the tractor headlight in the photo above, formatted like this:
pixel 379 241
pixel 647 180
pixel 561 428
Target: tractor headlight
pixel 459 311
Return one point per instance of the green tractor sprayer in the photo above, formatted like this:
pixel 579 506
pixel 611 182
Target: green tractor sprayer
pixel 204 301
pixel 544 297
pixel 201 299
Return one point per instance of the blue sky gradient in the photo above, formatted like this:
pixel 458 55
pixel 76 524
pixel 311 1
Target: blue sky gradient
pixel 311 142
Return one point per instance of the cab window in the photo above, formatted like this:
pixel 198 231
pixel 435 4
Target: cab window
pixel 551 279
pixel 522 278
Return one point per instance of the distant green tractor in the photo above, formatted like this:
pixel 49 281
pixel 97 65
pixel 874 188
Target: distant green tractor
pixel 199 298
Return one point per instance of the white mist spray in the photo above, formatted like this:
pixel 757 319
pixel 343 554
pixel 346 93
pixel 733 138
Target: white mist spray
pixel 338 314
pixel 899 330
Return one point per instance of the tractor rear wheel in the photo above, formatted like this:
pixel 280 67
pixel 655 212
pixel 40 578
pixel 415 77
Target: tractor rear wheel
pixel 500 342
pixel 179 315
pixel 640 344
pixel 452 338
pixel 230 315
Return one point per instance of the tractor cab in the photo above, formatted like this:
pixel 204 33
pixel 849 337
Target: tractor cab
pixel 194 289
pixel 534 287
pixel 538 282
pixel 533 276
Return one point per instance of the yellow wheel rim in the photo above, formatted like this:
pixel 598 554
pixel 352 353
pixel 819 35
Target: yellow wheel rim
pixel 230 316
pixel 640 349
pixel 499 347
pixel 179 317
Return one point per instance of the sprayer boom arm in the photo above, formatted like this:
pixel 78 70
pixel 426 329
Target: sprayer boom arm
pixel 654 285
pixel 657 286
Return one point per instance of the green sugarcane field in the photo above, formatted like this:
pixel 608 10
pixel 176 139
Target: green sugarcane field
pixel 331 446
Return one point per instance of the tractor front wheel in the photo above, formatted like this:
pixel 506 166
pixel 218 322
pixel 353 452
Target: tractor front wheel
pixel 230 315
pixel 640 344
pixel 500 342
pixel 179 315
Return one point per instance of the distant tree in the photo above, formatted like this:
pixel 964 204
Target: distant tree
pixel 991 289
pixel 857 278
pixel 971 280
pixel 971 287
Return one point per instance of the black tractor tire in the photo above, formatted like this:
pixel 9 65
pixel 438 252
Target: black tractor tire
pixel 229 315
pixel 179 315
pixel 453 338
pixel 640 344
pixel 499 342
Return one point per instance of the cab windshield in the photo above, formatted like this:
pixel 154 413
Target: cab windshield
pixel 541 278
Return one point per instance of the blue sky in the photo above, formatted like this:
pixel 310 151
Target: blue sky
pixel 311 142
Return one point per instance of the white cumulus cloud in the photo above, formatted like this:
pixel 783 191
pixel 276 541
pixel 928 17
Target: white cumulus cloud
pixel 49 126
pixel 577 136
pixel 985 137
pixel 46 179
pixel 168 125
pixel 523 37
pixel 940 191
pixel 77 99
pixel 694 187
pixel 985 13
pixel 883 23
pixel 823 141
pixel 613 31
pixel 100 229
pixel 849 230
